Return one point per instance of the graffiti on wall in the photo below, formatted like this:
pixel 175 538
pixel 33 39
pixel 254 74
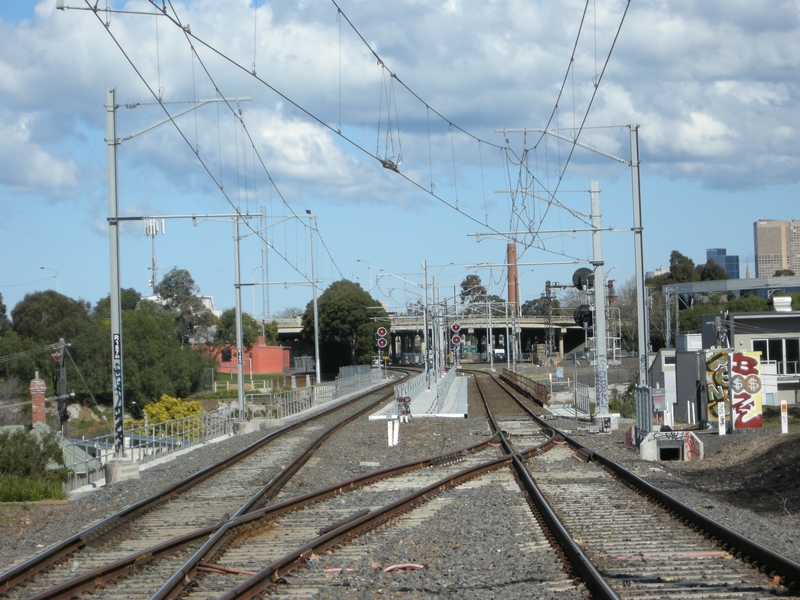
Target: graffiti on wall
pixel 745 390
pixel 716 381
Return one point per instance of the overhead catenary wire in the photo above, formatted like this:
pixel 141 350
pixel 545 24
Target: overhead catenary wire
pixel 202 162
pixel 189 36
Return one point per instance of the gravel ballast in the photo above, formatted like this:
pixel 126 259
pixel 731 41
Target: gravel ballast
pixel 747 482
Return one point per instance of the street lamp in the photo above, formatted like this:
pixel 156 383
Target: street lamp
pixel 370 273
pixel 56 275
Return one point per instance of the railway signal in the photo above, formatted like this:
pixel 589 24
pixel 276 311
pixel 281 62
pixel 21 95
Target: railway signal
pixel 456 340
pixel 455 327
pixel 381 340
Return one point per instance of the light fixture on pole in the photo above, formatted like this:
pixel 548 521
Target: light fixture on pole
pixel 56 275
pixel 370 273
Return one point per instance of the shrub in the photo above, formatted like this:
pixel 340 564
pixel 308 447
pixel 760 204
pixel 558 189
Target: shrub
pixel 27 459
pixel 30 489
pixel 26 453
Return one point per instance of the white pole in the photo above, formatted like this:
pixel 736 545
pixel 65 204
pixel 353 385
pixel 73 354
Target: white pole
pixel 600 359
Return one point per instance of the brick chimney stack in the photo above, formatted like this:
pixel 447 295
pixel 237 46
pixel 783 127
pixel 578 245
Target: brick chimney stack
pixel 38 390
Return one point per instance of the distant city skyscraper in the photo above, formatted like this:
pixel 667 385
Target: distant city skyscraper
pixel 727 261
pixel 777 246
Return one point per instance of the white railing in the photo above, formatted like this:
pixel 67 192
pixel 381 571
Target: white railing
pixel 85 459
pixel 411 388
pixel 286 404
pixel 443 388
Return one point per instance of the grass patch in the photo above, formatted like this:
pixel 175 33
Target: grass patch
pixel 30 489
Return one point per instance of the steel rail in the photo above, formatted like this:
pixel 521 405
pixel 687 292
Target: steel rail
pixel 27 569
pixel 219 532
pixel 101 576
pixel 733 542
pixel 580 563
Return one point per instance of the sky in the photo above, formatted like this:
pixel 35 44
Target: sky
pixel 400 128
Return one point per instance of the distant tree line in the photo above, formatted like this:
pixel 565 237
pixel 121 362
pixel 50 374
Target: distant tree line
pixel 167 344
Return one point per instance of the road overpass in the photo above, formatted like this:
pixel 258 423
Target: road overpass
pixel 407 337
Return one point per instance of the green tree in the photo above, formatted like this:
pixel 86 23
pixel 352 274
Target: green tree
pixel 784 273
pixel 538 307
pixel 681 268
pixel 5 324
pixel 26 453
pixel 156 362
pixel 23 357
pixel 748 304
pixel 628 321
pixel 128 299
pixel 473 293
pixel 711 271
pixel 47 316
pixel 193 322
pixel 271 333
pixel 348 321
pixel 225 334
pixel 691 318
pixel 175 287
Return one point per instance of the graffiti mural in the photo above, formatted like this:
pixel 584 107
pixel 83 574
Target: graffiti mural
pixel 716 380
pixel 745 390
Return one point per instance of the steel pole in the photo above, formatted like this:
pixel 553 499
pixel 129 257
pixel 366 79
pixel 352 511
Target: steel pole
pixel 313 225
pixel 238 290
pixel 118 402
pixel 600 360
pixel 641 291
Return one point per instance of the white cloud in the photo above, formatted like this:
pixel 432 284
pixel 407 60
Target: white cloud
pixel 26 165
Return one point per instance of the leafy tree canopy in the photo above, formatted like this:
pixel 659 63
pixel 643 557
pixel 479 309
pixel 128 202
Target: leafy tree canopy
pixel 128 299
pixel 175 287
pixel 711 271
pixel 472 290
pixel 5 323
pixel 748 304
pixel 784 273
pixel 26 453
pixel 681 268
pixel 538 307
pixel 348 321
pixel 226 330
pixel 47 316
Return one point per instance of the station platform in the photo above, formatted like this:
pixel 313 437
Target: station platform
pixel 425 405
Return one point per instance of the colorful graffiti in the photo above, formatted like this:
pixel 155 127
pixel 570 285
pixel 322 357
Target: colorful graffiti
pixel 745 390
pixel 716 381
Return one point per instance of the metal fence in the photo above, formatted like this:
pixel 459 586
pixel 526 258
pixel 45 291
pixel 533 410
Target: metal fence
pixel 285 404
pixel 443 387
pixel 85 459
pixel 413 387
pixel 582 401
pixel 644 412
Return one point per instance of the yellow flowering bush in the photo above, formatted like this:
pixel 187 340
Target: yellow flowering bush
pixel 169 409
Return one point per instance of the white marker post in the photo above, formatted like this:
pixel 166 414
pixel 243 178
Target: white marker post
pixel 721 416
pixel 784 417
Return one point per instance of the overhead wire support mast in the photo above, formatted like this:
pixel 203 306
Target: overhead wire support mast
pixel 636 193
pixel 117 351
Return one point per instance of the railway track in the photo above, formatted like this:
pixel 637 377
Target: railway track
pixel 525 512
pixel 642 542
pixel 180 518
